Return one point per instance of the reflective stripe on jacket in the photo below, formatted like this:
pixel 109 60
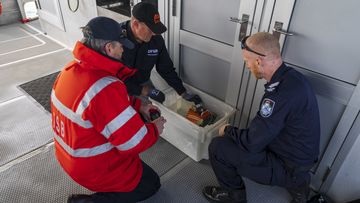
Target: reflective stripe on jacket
pixel 98 132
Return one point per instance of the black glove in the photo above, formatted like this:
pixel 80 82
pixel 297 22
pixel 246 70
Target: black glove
pixel 157 95
pixel 192 97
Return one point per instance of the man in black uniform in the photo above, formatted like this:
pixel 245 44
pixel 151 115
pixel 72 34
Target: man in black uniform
pixel 281 144
pixel 144 30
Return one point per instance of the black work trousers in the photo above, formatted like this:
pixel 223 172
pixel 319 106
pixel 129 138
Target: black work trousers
pixel 149 184
pixel 230 164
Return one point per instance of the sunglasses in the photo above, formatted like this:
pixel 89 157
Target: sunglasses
pixel 244 46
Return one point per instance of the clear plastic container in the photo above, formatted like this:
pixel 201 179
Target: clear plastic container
pixel 188 137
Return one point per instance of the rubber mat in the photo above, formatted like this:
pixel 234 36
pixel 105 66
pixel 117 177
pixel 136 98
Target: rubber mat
pixel 40 89
pixel 40 179
pixel 23 127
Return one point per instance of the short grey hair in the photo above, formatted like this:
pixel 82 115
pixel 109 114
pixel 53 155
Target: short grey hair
pixel 94 43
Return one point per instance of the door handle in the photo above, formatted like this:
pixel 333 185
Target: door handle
pixel 277 30
pixel 237 20
pixel 244 21
pixel 283 32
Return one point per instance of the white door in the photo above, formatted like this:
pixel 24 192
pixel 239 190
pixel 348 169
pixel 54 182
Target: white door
pixel 204 42
pixel 207 51
pixel 325 48
pixel 243 88
pixel 333 71
pixel 49 10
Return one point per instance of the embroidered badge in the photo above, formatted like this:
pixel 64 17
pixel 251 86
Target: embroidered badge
pixel 155 92
pixel 267 107
pixel 152 52
pixel 272 87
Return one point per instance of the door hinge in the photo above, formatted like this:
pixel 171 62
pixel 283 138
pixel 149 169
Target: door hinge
pixel 327 172
pixel 174 8
pixel 37 4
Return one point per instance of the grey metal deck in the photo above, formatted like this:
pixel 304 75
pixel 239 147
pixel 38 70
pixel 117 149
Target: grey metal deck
pixel 29 171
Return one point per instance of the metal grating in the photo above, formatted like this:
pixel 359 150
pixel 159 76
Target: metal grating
pixel 23 127
pixel 162 156
pixel 41 179
pixel 185 182
pixel 36 180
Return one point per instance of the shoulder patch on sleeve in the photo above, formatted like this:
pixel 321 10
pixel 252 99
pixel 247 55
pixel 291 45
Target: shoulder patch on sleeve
pixel 267 107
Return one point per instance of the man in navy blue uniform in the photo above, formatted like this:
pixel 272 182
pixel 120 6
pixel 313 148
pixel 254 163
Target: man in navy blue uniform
pixel 281 144
pixel 144 30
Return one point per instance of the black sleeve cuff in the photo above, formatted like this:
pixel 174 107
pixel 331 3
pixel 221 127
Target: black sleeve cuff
pixel 227 129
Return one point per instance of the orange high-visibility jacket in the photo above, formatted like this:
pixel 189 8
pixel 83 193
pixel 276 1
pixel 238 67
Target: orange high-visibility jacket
pixel 98 132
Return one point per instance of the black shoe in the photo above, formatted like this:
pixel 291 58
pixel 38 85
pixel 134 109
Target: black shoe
pixel 220 195
pixel 299 194
pixel 80 199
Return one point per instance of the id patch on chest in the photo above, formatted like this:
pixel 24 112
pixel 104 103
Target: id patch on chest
pixel 152 52
pixel 267 107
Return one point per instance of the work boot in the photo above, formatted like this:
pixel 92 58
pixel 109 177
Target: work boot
pixel 299 194
pixel 80 199
pixel 221 195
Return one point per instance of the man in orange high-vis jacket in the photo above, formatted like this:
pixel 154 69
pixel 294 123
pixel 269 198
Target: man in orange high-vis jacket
pixel 98 130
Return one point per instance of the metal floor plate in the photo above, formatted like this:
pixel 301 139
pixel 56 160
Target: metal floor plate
pixel 40 179
pixel 185 182
pixel 162 155
pixel 23 127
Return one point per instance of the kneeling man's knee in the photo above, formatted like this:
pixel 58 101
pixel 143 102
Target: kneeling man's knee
pixel 217 144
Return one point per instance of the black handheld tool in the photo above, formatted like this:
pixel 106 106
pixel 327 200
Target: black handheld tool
pixel 154 114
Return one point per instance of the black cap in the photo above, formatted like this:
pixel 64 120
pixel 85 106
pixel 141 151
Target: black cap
pixel 108 29
pixel 148 14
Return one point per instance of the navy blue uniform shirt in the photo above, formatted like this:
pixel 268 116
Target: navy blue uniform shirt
pixel 143 57
pixel 287 122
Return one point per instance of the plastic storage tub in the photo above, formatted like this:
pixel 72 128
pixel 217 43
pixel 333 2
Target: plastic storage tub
pixel 188 137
